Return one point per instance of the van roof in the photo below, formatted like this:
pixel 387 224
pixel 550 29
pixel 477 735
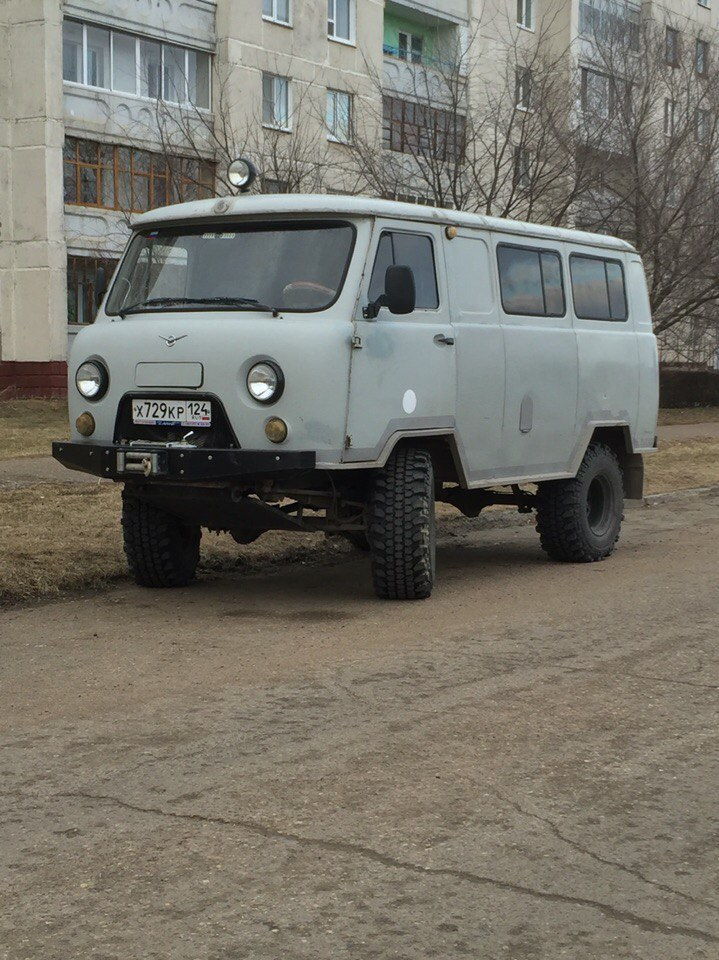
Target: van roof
pixel 333 204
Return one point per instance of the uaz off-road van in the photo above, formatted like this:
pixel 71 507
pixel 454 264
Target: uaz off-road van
pixel 339 364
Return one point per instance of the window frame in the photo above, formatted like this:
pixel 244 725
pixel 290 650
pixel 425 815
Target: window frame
pixel 506 245
pixel 275 77
pixel 669 116
pixel 387 229
pixel 674 48
pixel 274 18
pixel 523 89
pixel 116 168
pixel 525 14
pixel 138 38
pixel 351 20
pixel 701 58
pixel 332 134
pixel 605 260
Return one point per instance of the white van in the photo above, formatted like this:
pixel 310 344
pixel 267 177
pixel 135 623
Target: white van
pixel 339 364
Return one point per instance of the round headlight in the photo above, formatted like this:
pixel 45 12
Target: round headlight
pixel 91 379
pixel 265 382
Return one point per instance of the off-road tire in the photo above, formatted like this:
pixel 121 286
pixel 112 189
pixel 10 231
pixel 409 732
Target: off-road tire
pixel 401 527
pixel 578 520
pixel 161 550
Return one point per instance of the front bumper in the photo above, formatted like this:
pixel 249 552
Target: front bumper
pixel 150 462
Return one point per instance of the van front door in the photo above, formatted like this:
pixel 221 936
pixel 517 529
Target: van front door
pixel 402 377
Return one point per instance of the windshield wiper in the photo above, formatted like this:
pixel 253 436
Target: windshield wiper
pixel 203 301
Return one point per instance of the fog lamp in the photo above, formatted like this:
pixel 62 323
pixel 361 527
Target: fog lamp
pixel 241 173
pixel 85 424
pixel 276 430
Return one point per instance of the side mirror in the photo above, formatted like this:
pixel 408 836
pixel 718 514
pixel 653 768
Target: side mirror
pixel 100 286
pixel 399 294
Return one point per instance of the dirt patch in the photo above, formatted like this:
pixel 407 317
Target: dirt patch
pixel 28 427
pixel 688 415
pixel 56 538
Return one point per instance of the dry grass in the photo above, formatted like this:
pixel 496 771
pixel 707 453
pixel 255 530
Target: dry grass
pixel 688 415
pixel 56 538
pixel 60 537
pixel 27 427
pixel 682 464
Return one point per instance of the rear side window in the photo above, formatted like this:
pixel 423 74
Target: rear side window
pixel 598 288
pixel 407 250
pixel 530 281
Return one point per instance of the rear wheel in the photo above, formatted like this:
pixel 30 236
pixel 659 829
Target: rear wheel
pixel 401 527
pixel 579 519
pixel 161 550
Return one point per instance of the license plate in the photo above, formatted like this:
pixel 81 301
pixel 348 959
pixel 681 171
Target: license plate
pixel 172 413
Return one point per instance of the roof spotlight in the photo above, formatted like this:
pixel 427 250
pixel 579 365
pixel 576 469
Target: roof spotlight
pixel 242 173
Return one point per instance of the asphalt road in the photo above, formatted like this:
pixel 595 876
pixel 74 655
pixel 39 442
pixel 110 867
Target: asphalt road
pixel 279 766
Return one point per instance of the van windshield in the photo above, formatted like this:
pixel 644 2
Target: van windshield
pixel 291 266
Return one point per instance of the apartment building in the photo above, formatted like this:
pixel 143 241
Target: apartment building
pixel 110 107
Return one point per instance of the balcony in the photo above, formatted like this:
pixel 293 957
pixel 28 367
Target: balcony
pixel 421 48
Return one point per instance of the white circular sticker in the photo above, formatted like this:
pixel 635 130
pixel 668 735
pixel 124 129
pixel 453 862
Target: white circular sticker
pixel 409 401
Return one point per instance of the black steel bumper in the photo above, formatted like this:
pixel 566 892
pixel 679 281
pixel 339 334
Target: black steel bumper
pixel 124 462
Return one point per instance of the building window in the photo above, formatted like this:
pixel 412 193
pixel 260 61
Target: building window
pixel 112 60
pixel 523 88
pixel 275 101
pixel 409 47
pixel 701 125
pixel 704 3
pixel 671 47
pixel 339 19
pixel 530 281
pixel 81 273
pixel 525 14
pixel 408 250
pixel 522 168
pixel 596 93
pixel 277 10
pixel 610 20
pixel 598 288
pixel 421 130
pixel 701 58
pixel 669 113
pixel 121 178
pixel 339 116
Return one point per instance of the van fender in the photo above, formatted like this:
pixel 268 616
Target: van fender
pixel 617 435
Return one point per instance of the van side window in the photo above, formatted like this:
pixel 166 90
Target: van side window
pixel 598 288
pixel 530 281
pixel 408 250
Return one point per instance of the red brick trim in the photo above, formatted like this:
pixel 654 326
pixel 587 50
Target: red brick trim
pixel 21 378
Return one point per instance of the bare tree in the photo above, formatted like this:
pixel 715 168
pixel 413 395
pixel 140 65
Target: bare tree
pixel 657 95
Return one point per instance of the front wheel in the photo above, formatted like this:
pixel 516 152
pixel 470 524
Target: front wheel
pixel 161 550
pixel 578 520
pixel 401 527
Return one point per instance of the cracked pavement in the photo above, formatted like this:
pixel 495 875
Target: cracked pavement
pixel 279 766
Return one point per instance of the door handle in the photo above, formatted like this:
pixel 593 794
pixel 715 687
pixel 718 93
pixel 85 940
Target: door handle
pixel 440 340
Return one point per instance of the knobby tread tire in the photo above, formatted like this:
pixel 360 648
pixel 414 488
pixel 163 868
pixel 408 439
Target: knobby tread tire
pixel 161 550
pixel 562 522
pixel 400 527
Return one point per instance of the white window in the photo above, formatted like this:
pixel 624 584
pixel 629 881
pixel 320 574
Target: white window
pixel 72 57
pixel 669 111
pixel 275 101
pixel 704 3
pixel 339 19
pixel 99 57
pixel 124 62
pixel 525 14
pixel 523 89
pixel 409 47
pixel 277 10
pixel 339 116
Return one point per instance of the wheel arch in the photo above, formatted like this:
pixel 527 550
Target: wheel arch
pixel 442 448
pixel 618 438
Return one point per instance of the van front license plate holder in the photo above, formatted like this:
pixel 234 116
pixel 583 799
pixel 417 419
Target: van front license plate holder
pixel 171 412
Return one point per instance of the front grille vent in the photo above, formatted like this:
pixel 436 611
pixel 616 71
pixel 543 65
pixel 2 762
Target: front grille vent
pixel 219 436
